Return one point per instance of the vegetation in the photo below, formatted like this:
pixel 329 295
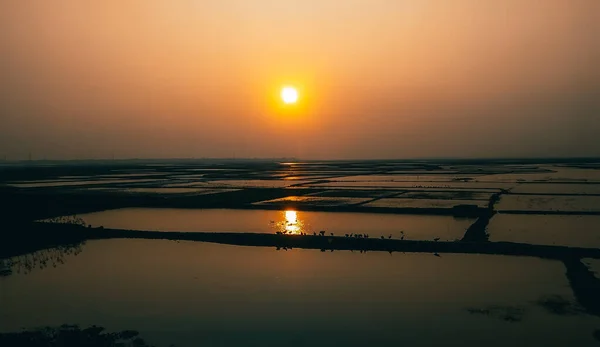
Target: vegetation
pixel 72 335
pixel 73 220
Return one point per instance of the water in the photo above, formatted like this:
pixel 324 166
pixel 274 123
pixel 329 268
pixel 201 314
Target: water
pixel 256 183
pixel 78 183
pixel 572 231
pixel 556 174
pixel 557 188
pixel 563 203
pixel 423 203
pixel 201 294
pixel 417 184
pixel 163 190
pixel 415 227
pixel 314 201
pixel 594 266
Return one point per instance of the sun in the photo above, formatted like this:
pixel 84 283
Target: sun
pixel 289 95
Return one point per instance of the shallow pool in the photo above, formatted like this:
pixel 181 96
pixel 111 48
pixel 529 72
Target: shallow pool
pixel 413 227
pixel 201 294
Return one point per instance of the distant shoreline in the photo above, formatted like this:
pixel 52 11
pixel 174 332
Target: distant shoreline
pixel 534 160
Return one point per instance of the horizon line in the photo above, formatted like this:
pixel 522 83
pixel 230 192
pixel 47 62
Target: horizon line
pixel 297 159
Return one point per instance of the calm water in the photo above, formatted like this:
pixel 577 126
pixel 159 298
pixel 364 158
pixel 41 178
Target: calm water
pixel 201 294
pixel 415 227
pixel 79 183
pixel 573 231
pixel 571 203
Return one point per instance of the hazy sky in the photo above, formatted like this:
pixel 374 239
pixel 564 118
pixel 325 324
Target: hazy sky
pixel 377 78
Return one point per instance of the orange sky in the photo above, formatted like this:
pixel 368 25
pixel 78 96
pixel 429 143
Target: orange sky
pixel 378 78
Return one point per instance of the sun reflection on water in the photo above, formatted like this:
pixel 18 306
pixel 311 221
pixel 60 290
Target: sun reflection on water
pixel 290 224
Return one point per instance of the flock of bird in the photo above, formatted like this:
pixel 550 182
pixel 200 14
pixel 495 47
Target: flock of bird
pixel 351 235
pixel 358 236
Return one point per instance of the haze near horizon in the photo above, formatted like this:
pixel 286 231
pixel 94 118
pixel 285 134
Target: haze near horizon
pixel 374 79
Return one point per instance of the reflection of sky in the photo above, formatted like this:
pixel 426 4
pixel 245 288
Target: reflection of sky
pixel 235 296
pixel 415 227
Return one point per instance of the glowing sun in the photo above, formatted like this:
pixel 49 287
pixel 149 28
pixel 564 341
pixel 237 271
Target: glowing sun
pixel 289 95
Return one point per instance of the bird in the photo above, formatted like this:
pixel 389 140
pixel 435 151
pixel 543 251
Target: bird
pixel 314 234
pixel 436 254
pixel 383 238
pixel 402 238
pixel 331 234
pixel 322 232
pixel 436 239
pixel 389 237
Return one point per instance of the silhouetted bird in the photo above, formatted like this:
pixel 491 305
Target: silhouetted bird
pixel 383 238
pixel 331 234
pixel 322 232
pixel 436 254
pixel 389 237
pixel 436 239
pixel 314 234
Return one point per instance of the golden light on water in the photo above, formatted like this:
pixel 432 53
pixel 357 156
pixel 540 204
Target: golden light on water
pixel 291 217
pixel 290 224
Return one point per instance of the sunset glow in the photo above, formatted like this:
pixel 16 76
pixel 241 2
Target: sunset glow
pixel 351 79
